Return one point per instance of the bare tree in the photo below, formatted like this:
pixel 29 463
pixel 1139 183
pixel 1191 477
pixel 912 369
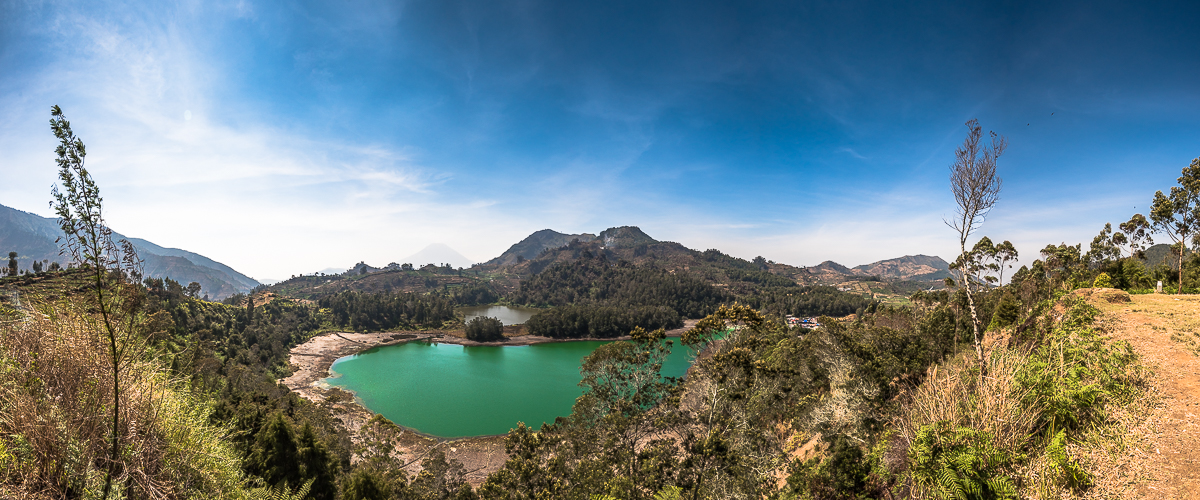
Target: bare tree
pixel 976 189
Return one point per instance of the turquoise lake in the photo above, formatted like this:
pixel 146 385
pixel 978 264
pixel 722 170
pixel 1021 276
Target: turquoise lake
pixel 449 390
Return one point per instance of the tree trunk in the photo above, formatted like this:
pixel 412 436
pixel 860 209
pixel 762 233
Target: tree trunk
pixel 974 316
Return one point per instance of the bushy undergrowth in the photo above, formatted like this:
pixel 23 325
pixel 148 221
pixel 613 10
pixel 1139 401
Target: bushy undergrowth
pixel 53 377
pixel 1008 434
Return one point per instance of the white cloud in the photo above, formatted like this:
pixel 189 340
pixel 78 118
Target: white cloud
pixel 264 199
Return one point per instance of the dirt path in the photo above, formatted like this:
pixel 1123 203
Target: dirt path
pixel 1163 329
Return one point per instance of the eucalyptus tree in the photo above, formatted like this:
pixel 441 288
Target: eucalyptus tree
pixel 1004 255
pixel 1105 247
pixel 112 269
pixel 1137 235
pixel 976 189
pixel 1178 214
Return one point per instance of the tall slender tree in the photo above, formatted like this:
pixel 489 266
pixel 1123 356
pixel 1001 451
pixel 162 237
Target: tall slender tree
pixel 1137 234
pixel 1178 214
pixel 1005 254
pixel 110 266
pixel 976 189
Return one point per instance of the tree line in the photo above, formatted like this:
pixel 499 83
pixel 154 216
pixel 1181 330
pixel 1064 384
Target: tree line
pixel 592 321
pixel 599 281
pixel 360 311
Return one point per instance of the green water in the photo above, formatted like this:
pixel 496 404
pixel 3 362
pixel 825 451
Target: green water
pixel 449 390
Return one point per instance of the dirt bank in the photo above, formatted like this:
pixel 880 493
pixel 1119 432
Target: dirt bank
pixel 311 361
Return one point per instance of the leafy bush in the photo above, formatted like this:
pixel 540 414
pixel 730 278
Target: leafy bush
pixel 961 462
pixel 485 329
pixel 1074 371
pixel 1102 281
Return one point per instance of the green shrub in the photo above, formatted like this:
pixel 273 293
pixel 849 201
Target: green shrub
pixel 1074 371
pixel 1070 474
pixel 961 463
pixel 843 472
pixel 485 329
pixel 1103 281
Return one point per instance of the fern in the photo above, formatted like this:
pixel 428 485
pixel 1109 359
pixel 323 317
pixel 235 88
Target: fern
pixel 961 463
pixel 279 493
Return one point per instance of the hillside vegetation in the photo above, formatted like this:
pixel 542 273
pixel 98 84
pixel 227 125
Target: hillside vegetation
pixel 118 385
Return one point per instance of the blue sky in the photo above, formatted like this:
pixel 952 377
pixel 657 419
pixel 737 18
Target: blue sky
pixel 287 137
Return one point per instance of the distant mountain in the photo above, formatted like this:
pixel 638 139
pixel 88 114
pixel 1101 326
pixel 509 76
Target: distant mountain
pixel 833 267
pixel 630 243
pixel 909 267
pixel 1162 254
pixel 536 243
pixel 437 253
pixel 33 238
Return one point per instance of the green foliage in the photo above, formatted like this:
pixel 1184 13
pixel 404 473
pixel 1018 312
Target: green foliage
pixel 1178 214
pixel 1068 470
pixel 1008 310
pixel 596 281
pixel 365 485
pixel 599 321
pixel 484 329
pixel 283 457
pixel 1073 371
pixel 810 301
pixel 279 493
pixel 842 473
pixel 362 311
pixel 961 463
pixel 1102 281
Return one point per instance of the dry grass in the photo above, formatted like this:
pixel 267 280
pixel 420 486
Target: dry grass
pixel 55 417
pixel 953 392
pixel 1000 407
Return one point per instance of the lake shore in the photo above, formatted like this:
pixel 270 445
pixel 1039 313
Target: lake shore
pixel 311 362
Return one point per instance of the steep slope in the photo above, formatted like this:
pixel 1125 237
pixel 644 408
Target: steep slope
pixel 238 280
pixel 33 238
pixel 534 244
pixel 625 237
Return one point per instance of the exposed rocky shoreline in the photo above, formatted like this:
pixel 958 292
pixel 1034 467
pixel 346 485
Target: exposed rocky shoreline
pixel 312 360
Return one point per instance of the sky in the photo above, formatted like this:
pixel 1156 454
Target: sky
pixel 287 137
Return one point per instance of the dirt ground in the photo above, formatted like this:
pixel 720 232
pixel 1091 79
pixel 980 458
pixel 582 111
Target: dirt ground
pixel 311 361
pixel 1164 461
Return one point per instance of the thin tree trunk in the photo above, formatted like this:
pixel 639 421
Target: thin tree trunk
pixel 971 305
pixel 1182 247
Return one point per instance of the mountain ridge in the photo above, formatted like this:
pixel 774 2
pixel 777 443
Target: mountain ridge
pixel 33 238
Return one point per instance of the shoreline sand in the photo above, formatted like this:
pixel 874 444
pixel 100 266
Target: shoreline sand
pixel 311 362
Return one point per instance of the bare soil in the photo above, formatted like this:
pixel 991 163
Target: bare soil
pixel 1164 459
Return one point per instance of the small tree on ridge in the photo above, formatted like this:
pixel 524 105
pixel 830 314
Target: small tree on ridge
pixel 976 189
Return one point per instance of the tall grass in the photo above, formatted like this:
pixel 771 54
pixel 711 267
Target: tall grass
pixel 54 425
